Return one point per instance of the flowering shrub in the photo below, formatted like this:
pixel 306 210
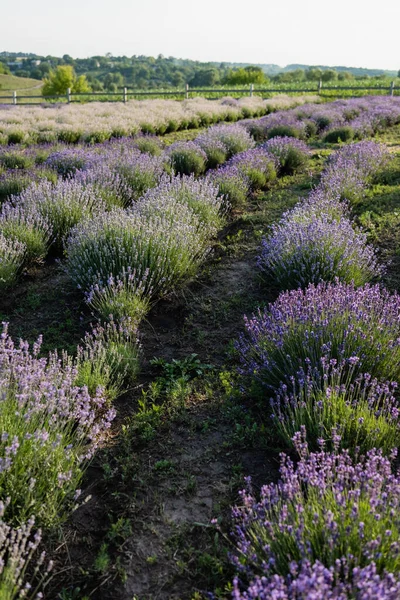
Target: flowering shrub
pixel 215 150
pixel 109 358
pixel 17 551
pixel 187 158
pixel 62 205
pixel 339 134
pixel 125 296
pixel 327 508
pixel 50 429
pixel 138 171
pixel 233 138
pixel 336 321
pixel 233 185
pixel 351 169
pixel 28 227
pixel 257 165
pixel 201 196
pixel 364 412
pixel 305 248
pixel 110 186
pixel 12 257
pixel 318 582
pixel 69 160
pixel 292 154
pixel 165 246
pixel 15 160
pixel 149 144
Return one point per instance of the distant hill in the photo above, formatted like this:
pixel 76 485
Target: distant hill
pixel 272 69
pixel 356 71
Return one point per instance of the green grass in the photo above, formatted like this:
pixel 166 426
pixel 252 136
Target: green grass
pixel 10 83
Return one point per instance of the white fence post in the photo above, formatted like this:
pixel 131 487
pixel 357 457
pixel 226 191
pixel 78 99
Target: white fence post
pixel 187 91
pixel 391 89
pixel 69 95
pixel 14 97
pixel 319 86
pixel 251 89
pixel 125 95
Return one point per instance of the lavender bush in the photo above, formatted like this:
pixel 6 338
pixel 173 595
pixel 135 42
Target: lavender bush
pixel 50 429
pixel 108 358
pixel 165 246
pixel 201 196
pixel 350 170
pixel 12 257
pixel 327 508
pixel 138 171
pixel 305 248
pixel 62 205
pixel 257 165
pixel 292 154
pixel 215 150
pixel 362 410
pixel 149 144
pixel 187 158
pixel 233 185
pixel 125 296
pixel 336 321
pixel 233 138
pixel 29 228
pixel 306 581
pixel 110 186
pixel 18 549
pixel 69 160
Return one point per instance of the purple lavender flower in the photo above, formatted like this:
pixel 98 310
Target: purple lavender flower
pixel 336 321
pixel 292 154
pixel 305 248
pixel 187 158
pixel 234 138
pixel 258 165
pixel 53 426
pixel 315 513
pixel 318 582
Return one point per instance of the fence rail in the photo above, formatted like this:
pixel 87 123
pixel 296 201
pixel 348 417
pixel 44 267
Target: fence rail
pixel 124 95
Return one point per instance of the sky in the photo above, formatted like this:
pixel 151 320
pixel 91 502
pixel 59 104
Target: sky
pixel 352 33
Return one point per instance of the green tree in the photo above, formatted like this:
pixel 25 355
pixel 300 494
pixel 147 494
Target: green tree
pixel 329 75
pixel 4 70
pixel 247 75
pixel 62 78
pixel 313 74
pixel 345 76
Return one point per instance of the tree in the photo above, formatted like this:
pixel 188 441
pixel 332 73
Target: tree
pixel 313 74
pixel 329 75
pixel 247 75
pixel 4 70
pixel 205 77
pixel 62 78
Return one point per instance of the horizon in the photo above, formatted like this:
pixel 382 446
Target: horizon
pixel 215 32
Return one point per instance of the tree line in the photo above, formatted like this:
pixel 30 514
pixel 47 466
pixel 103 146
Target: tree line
pixel 110 73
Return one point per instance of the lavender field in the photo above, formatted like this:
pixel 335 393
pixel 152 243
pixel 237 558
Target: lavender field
pixel 137 402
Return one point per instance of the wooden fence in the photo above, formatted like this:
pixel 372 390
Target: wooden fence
pixel 125 94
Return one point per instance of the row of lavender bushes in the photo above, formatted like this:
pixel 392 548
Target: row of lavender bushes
pixel 341 120
pixel 97 122
pixel 327 354
pixel 132 226
pixel 73 184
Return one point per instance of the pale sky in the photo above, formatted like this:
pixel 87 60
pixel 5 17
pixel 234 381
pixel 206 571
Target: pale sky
pixel 356 33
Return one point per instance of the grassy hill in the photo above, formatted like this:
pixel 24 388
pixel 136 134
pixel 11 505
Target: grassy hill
pixel 11 83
